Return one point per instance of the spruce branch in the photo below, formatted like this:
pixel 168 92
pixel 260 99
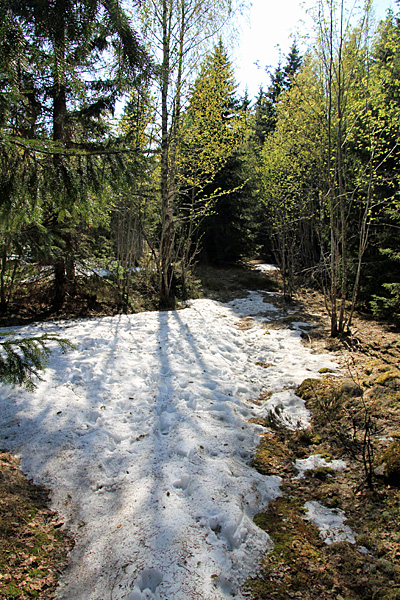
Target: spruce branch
pixel 22 360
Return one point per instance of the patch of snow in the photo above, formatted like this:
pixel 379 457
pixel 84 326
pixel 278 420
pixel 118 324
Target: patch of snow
pixel 266 268
pixel 330 522
pixel 302 326
pixel 142 433
pixel 316 460
pixel 288 408
pixel 88 270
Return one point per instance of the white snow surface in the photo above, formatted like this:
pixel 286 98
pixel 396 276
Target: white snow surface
pixel 264 268
pixel 330 522
pixel 316 460
pixel 142 433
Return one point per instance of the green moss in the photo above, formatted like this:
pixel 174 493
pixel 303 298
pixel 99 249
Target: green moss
pixel 11 591
pixel 305 437
pixel 321 473
pixel 387 376
pixel 317 389
pixel 308 388
pixel 284 522
pixel 297 547
pixel 391 595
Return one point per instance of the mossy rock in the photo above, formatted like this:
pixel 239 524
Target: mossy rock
pixel 312 388
pixel 389 378
pixel 391 460
pixel 321 473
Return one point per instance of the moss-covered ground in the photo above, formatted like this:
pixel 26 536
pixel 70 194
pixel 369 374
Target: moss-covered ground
pixel 356 418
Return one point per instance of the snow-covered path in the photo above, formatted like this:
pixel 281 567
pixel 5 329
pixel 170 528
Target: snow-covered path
pixel 143 435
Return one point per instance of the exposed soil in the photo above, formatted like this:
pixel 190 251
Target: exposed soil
pixel 33 547
pixel 353 413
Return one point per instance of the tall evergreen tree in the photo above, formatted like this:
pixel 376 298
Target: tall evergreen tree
pixel 76 58
pixel 281 80
pixel 216 128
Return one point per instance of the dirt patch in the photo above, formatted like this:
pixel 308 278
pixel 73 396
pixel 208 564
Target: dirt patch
pixel 227 283
pixel 33 546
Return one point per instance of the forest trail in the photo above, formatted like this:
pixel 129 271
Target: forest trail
pixel 143 434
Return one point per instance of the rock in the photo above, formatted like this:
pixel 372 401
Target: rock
pixel 380 471
pixel 391 460
pixel 351 388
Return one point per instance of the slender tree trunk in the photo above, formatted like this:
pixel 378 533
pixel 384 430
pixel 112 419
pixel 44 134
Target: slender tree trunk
pixel 341 183
pixel 64 268
pixel 167 221
pixel 332 199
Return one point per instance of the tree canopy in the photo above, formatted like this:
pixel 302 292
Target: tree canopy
pixel 306 174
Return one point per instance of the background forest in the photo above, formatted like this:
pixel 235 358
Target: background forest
pixel 128 157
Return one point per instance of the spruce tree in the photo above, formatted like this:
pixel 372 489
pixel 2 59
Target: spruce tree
pixel 23 359
pixel 74 59
pixel 281 80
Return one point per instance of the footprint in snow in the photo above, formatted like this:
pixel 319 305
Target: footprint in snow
pixel 146 585
pixel 167 420
pixel 184 483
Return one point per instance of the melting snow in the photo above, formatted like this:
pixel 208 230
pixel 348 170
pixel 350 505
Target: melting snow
pixel 330 522
pixel 316 460
pixel 266 268
pixel 288 408
pixel 143 435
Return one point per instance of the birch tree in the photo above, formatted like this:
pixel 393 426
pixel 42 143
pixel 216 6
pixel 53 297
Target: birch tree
pixel 343 52
pixel 180 31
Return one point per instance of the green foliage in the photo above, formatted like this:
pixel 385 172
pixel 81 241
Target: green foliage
pixel 329 168
pixel 69 63
pixel 290 174
pixel 212 129
pixel 216 171
pixel 387 307
pixel 22 360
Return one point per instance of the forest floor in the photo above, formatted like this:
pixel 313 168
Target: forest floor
pixel 355 418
